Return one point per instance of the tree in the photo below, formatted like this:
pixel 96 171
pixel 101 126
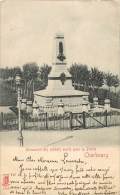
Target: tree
pixel 80 74
pixel 116 82
pixel 5 73
pixel 96 78
pixel 109 80
pixel 15 70
pixel 30 74
pixel 73 71
pixel 43 73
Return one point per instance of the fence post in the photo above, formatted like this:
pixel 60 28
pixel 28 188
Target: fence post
pixel 2 119
pixel 46 120
pixel 71 120
pixel 84 120
pixel 106 122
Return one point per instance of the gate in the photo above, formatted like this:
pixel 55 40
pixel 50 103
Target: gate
pixel 96 119
pixel 77 120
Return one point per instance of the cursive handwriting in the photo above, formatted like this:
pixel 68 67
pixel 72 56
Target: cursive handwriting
pixel 62 175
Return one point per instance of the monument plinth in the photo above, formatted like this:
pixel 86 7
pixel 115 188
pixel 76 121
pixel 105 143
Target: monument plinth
pixel 60 87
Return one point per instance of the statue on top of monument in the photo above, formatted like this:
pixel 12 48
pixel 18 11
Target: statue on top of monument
pixel 61 56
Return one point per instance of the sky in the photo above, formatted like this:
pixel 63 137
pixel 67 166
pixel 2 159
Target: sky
pixel 91 30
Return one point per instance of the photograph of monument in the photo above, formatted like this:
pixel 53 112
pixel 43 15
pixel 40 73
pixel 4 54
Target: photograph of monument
pixel 59 97
pixel 60 91
pixel 61 76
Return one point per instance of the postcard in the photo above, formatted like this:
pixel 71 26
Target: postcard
pixel 59 97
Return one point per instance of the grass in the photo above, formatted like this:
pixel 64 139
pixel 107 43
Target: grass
pixel 7 95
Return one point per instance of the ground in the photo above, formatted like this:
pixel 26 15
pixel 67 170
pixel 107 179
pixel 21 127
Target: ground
pixel 108 136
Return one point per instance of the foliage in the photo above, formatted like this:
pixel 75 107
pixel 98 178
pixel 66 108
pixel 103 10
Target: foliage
pixel 109 79
pixel 30 74
pixel 30 71
pixel 96 77
pixel 80 74
pixel 9 73
pixel 112 80
pixel 43 73
pixel 116 81
pixel 84 77
pixel 35 77
pixel 7 94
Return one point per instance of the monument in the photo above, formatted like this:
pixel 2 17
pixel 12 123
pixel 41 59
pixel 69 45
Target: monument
pixel 60 95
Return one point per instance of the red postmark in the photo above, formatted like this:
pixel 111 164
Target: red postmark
pixel 5 181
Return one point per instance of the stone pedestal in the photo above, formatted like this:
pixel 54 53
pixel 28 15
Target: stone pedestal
pixel 61 108
pixel 24 104
pixel 29 107
pixel 35 110
pixel 95 102
pixel 107 105
pixel 85 106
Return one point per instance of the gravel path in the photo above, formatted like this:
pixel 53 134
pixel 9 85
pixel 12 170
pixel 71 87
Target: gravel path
pixel 109 136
